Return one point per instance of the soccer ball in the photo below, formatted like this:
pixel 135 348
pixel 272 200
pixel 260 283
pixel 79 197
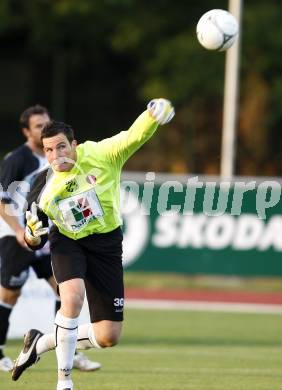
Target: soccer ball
pixel 217 30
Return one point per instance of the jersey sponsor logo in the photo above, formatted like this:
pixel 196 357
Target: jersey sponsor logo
pixel 78 210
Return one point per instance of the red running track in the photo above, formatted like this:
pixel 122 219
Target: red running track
pixel 206 296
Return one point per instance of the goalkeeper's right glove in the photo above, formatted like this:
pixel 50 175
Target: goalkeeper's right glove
pixel 161 110
pixel 34 229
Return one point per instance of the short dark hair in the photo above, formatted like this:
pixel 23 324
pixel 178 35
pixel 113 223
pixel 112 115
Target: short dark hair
pixel 33 110
pixel 53 128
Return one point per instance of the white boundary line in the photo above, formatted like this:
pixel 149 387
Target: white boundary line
pixel 203 306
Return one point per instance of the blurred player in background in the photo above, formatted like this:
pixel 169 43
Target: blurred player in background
pixel 81 197
pixel 17 173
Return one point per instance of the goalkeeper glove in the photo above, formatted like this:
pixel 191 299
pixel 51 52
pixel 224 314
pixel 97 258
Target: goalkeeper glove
pixel 161 110
pixel 34 229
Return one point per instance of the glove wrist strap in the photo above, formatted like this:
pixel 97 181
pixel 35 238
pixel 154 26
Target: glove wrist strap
pixel 29 237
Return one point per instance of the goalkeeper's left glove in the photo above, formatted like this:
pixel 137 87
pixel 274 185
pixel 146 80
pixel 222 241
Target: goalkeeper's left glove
pixel 34 229
pixel 161 110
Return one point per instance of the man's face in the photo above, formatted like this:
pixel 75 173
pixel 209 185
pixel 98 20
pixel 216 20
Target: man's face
pixel 59 152
pixel 36 124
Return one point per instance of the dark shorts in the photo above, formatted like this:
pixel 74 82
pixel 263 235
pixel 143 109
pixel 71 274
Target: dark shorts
pixel 98 260
pixel 15 262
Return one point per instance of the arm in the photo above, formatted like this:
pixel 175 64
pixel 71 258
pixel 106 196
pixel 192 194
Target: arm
pixel 12 221
pixel 120 147
pixel 10 172
pixel 37 222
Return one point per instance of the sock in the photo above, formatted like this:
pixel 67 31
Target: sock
pixel 5 311
pixel 65 344
pixel 45 343
pixel 66 384
pixel 48 342
pixel 86 338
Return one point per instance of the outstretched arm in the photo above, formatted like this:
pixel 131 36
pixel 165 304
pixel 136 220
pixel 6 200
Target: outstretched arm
pixel 120 147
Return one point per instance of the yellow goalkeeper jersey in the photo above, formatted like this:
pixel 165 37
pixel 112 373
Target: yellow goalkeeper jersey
pixel 86 199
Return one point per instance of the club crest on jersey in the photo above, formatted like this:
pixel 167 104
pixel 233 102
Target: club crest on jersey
pixel 91 179
pixel 71 185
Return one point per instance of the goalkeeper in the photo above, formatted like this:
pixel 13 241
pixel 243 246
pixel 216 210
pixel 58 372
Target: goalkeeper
pixel 81 198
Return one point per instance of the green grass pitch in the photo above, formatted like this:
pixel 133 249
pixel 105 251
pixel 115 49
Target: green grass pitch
pixel 175 350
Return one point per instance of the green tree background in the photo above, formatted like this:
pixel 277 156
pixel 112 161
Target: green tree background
pixel 95 64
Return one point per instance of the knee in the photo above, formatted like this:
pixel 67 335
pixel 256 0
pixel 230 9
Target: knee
pixel 107 341
pixel 74 299
pixel 107 337
pixel 9 297
pixel 71 304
